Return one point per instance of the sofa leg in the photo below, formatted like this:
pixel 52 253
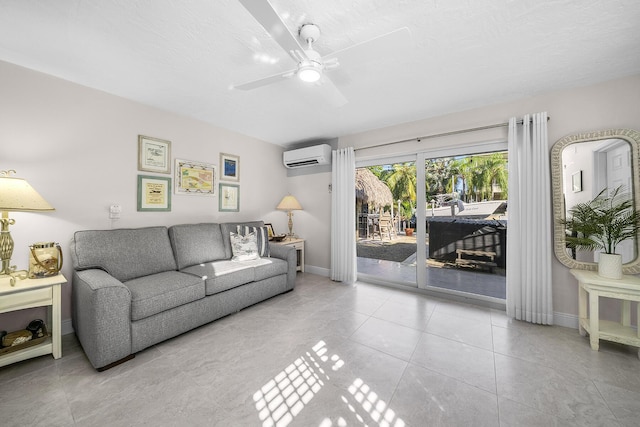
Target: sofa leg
pixel 116 363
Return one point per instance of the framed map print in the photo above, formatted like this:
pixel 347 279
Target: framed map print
pixel 195 178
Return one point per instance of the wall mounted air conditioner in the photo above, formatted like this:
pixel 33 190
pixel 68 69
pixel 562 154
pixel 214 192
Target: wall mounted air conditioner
pixel 308 156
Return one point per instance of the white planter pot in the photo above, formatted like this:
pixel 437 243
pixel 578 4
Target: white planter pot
pixel 610 266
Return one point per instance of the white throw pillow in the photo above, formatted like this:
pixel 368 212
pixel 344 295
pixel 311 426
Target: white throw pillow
pixel 262 238
pixel 244 248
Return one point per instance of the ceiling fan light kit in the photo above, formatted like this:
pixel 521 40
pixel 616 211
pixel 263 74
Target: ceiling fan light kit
pixel 311 67
pixel 309 72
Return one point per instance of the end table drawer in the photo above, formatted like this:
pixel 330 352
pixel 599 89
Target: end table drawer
pixel 298 245
pixel 26 299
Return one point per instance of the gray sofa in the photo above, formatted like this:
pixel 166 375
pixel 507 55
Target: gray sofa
pixel 133 288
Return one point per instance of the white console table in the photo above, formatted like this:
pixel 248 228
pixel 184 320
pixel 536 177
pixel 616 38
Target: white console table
pixel 626 289
pixel 29 293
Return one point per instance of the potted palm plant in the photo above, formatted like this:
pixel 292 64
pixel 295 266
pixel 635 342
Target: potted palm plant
pixel 602 224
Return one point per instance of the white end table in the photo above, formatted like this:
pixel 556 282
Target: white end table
pixel 626 289
pixel 299 245
pixel 29 293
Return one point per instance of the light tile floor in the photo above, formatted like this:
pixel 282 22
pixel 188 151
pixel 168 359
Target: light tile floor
pixel 464 280
pixel 329 354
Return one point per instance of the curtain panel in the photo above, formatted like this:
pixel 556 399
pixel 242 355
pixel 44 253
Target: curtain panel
pixel 529 247
pixel 343 216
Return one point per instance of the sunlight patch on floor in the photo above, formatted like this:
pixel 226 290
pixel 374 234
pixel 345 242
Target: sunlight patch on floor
pixel 282 398
pixel 374 407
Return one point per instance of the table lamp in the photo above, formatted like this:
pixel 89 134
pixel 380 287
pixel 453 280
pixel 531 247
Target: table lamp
pixel 289 204
pixel 16 195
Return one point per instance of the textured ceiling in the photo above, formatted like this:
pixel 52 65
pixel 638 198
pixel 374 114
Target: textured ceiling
pixel 184 55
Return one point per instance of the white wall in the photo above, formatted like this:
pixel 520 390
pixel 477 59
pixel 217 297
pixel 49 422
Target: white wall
pixel 613 104
pixel 78 147
pixel 312 223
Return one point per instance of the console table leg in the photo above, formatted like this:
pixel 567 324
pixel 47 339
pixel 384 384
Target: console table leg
pixel 594 326
pixel 626 313
pixel 582 309
pixel 56 323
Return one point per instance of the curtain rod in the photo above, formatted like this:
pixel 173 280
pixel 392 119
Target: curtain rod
pixel 437 135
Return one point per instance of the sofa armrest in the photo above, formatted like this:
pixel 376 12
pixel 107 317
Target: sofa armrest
pixel 102 316
pixel 287 253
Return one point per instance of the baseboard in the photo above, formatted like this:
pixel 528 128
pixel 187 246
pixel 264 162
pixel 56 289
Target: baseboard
pixel 565 319
pixel 316 270
pixel 66 327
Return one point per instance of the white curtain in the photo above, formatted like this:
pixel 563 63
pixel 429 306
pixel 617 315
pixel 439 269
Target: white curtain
pixel 529 228
pixel 343 216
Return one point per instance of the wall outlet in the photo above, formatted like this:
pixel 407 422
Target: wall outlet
pixel 115 211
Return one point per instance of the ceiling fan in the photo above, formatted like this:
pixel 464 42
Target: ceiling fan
pixel 311 66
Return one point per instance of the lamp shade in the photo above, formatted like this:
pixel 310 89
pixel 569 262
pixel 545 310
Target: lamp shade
pixel 289 203
pixel 17 195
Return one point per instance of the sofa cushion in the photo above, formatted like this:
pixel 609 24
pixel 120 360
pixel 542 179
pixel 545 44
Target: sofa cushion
pixel 262 237
pixel 270 267
pixel 197 243
pixel 163 291
pixel 124 253
pixel 231 227
pixel 220 276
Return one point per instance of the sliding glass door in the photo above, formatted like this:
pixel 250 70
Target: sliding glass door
pixel 385 209
pixel 440 226
pixel 465 217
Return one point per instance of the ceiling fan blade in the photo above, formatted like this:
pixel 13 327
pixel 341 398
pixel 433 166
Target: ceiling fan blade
pixel 266 15
pixel 385 45
pixel 265 81
pixel 331 93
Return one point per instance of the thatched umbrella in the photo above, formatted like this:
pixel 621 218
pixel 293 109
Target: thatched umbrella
pixel 370 190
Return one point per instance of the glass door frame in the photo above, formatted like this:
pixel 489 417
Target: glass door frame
pixel 386 160
pixel 421 214
pixel 420 158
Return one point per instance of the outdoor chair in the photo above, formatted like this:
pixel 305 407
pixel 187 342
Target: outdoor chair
pixel 385 226
pixel 373 229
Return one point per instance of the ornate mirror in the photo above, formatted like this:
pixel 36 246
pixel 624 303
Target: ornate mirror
pixel 583 165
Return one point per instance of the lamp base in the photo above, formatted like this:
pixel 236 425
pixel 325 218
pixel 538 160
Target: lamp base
pixel 290 235
pixel 6 250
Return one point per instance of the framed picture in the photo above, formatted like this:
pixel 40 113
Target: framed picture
pixel 229 167
pixel 576 182
pixel 154 194
pixel 270 230
pixel 229 198
pixel 154 155
pixel 195 178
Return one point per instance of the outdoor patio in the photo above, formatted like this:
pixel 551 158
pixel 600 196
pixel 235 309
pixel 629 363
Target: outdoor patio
pixel 395 260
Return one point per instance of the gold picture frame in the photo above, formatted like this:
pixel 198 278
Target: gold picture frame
pixel 270 230
pixel 154 154
pixel 195 178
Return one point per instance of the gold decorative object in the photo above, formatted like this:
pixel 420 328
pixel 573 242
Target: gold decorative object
pixel 45 259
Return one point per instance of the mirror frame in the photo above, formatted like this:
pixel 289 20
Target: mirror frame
pixel 559 210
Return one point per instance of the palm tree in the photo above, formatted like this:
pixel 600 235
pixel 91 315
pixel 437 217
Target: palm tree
pixel 493 172
pixel 461 169
pixel 437 175
pixel 402 181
